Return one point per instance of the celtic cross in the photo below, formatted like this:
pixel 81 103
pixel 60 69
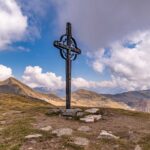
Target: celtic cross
pixel 68 51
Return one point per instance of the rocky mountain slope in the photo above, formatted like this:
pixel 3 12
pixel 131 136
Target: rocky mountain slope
pixel 13 86
pixel 139 100
pixel 92 99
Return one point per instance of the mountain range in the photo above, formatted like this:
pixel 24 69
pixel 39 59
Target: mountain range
pixel 134 100
pixel 139 100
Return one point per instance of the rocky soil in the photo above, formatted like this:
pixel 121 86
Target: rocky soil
pixel 30 125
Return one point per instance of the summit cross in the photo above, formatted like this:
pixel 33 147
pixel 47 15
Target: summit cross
pixel 68 51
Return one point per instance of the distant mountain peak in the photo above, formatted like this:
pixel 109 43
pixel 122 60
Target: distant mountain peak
pixel 14 86
pixel 9 80
pixel 84 91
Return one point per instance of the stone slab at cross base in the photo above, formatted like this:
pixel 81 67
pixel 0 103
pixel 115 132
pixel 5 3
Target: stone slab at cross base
pixel 71 112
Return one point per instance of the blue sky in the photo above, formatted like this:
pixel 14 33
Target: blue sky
pixel 108 45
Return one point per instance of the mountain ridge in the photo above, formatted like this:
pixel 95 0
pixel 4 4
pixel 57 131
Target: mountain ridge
pixel 81 98
pixel 14 86
pixel 133 100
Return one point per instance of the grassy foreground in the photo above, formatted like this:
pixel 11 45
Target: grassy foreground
pixel 20 116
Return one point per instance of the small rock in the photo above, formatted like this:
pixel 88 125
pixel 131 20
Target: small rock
pixel 116 147
pixel 92 110
pixel 30 148
pixel 12 112
pixel 33 136
pixel 48 128
pixel 2 122
pixel 81 141
pixel 1 129
pixel 84 128
pixel 106 135
pixel 87 119
pixel 33 141
pixel 62 131
pixel 91 118
pixel 137 147
pixel 16 112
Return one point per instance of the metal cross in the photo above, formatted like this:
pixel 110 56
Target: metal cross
pixel 69 51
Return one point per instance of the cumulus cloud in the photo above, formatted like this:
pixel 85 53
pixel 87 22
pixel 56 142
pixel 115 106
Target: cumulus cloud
pixel 97 23
pixel 5 72
pixel 13 23
pixel 37 12
pixel 129 61
pixel 34 77
pixel 79 83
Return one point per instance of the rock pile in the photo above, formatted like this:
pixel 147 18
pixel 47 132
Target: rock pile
pixel 88 115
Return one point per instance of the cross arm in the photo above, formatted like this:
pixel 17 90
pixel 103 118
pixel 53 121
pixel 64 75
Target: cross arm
pixel 59 45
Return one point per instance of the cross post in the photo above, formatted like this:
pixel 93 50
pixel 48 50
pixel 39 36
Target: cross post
pixel 68 68
pixel 69 51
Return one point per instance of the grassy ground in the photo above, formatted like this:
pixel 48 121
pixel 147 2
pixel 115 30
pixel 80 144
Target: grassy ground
pixel 20 116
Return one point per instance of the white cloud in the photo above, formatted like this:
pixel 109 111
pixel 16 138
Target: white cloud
pixel 83 83
pixel 130 66
pixel 13 23
pixel 97 23
pixel 34 77
pixel 5 72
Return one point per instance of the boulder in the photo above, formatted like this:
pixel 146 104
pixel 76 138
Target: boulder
pixel 80 141
pixel 33 136
pixel 91 118
pixel 63 131
pixel 84 129
pixel 92 110
pixel 107 135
